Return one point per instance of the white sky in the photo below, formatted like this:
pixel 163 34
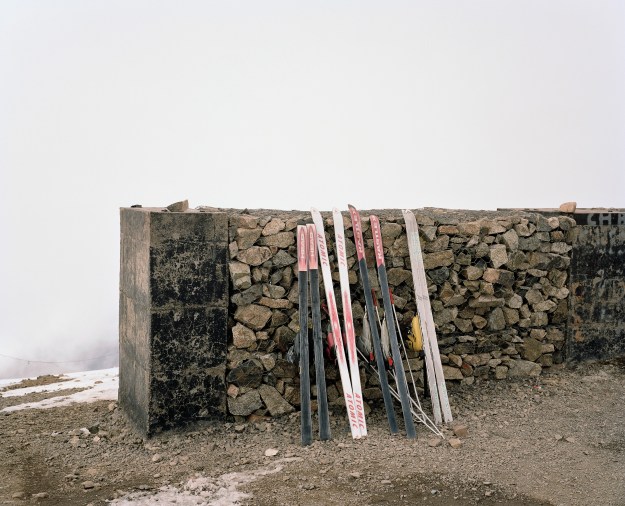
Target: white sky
pixel 479 104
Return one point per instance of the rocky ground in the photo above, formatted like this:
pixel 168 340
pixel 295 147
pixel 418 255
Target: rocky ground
pixel 557 439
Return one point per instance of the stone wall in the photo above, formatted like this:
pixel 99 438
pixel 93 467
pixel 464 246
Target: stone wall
pixel 497 280
pixel 209 302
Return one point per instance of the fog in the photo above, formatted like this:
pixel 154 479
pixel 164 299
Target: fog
pixel 279 105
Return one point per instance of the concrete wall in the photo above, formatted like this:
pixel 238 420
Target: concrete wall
pixel 173 316
pixel 596 327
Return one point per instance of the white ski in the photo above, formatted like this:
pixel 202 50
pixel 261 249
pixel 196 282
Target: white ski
pixel 436 379
pixel 336 326
pixel 348 319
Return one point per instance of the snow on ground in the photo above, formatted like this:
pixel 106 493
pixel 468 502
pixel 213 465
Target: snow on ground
pixel 96 386
pixel 221 491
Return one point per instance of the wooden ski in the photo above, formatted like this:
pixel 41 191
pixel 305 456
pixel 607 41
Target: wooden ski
pixel 436 378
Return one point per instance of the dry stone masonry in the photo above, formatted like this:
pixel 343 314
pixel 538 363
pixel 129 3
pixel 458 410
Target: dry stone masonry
pixel 498 281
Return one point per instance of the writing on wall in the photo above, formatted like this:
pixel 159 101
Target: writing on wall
pixel 600 219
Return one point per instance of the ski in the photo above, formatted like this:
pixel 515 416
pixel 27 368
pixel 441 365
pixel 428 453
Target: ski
pixel 304 372
pixel 436 378
pixel 348 319
pixel 313 277
pixel 400 375
pixel 377 347
pixel 334 320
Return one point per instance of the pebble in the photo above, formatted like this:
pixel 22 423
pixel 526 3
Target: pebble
pixel 87 485
pixel 386 482
pixel 18 495
pixel 157 457
pixel 461 429
pixel 271 452
pixel 434 442
pixel 41 495
pixel 455 443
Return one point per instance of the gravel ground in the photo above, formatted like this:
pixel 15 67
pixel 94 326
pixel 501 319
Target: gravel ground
pixel 558 439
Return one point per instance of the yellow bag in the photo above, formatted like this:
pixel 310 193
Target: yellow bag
pixel 415 338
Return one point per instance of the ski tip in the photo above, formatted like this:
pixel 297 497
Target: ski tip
pixel 351 207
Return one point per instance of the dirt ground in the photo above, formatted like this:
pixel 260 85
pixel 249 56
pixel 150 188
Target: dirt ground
pixel 555 440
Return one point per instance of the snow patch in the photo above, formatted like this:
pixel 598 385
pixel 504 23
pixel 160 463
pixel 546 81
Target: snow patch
pixel 220 491
pixel 97 386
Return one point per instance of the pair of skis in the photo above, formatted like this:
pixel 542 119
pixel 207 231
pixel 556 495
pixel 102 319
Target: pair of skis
pixel 352 390
pixel 308 271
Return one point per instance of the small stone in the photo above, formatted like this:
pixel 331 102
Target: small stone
pixel 523 369
pixel 87 485
pixel 157 457
pixel 233 391
pixel 558 437
pixel 255 255
pixel 247 374
pixel 273 227
pixel 178 207
pixel 435 442
pixel 271 452
pixel 461 429
pixel 452 373
pixel 532 349
pixel 570 439
pixel 242 337
pixel 501 372
pixel 40 495
pixel 568 207
pixel 455 443
pixel 253 316
pixel 239 428
pixel 274 401
pixel 355 475
pixel 386 482
pixel 245 404
pixel 439 259
pixel 246 237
